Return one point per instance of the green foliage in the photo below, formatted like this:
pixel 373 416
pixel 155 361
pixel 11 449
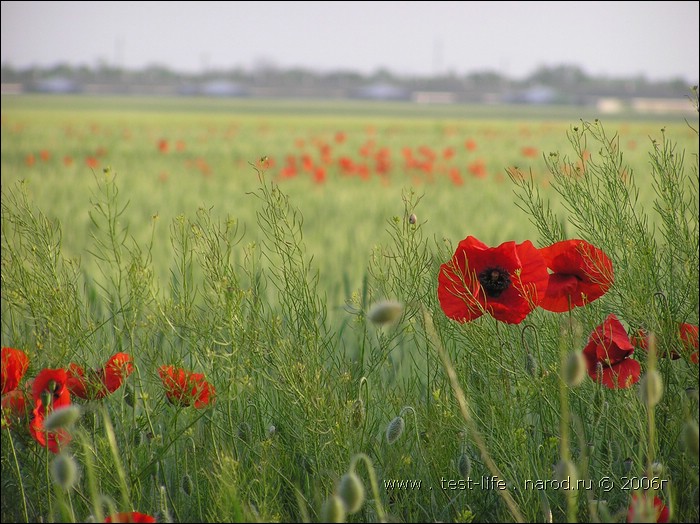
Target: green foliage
pixel 305 394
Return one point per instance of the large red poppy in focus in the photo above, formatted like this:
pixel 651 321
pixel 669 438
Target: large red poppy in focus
pixel 14 365
pixel 608 351
pixel 184 388
pixel 96 384
pixel 506 282
pixel 581 273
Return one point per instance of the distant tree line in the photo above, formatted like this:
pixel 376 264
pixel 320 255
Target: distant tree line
pixel 570 82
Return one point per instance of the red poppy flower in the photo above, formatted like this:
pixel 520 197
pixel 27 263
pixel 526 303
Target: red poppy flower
pixel 101 382
pixel 130 516
pixel 581 273
pixel 50 387
pixel 689 337
pixel 54 440
pixel 639 512
pixel 14 408
pixel 687 333
pixel 14 365
pixel 505 281
pixel 184 388
pixel 608 352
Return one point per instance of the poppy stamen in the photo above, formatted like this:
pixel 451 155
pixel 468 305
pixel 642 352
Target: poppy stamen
pixel 494 281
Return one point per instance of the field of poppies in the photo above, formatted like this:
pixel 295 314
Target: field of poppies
pixel 240 310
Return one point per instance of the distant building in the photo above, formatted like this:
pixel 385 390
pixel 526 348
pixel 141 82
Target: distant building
pixel 382 91
pixel 534 95
pixel 222 88
pixel 57 85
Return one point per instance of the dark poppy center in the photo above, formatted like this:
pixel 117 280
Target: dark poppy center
pixel 494 281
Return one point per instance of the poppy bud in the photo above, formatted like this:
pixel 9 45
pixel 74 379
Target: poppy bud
pixel 651 387
pixel 333 510
pixel 657 469
pixel 531 365
pixel 358 413
pixel 575 369
pixel 385 312
pixel 412 219
pixel 691 437
pixel 244 431
pixel 64 471
pixel 464 465
pixel 627 465
pixel 352 492
pixel 62 417
pixel 187 485
pixel 395 429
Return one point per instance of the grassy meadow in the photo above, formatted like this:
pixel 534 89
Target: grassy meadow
pixel 254 242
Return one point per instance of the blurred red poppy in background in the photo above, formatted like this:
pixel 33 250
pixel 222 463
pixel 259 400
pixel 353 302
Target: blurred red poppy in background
pixel 184 388
pixel 687 334
pixel 50 388
pixel 96 384
pixel 641 511
pixel 14 365
pixel 54 440
pixel 130 516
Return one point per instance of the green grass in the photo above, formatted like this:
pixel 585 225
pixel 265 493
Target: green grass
pixel 195 258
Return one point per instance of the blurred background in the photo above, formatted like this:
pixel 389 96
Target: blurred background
pixel 614 56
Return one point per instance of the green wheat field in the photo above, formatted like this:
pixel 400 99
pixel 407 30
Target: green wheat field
pixel 265 275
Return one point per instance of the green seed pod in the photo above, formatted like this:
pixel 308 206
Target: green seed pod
pixel 333 509
pixel 63 417
pixel 395 429
pixel 187 485
pixel 385 312
pixel 64 471
pixel 690 437
pixel 651 387
pixel 351 492
pixel 531 365
pixel 244 431
pixel 130 396
pixel 627 465
pixel 358 413
pixel 464 465
pixel 575 369
pixel 657 469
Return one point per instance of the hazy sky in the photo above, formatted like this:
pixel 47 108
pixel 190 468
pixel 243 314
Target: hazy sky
pixel 617 39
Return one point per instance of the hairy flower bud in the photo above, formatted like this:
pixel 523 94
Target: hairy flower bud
pixel 575 369
pixel 651 387
pixel 691 437
pixel 64 471
pixel 352 492
pixel 63 417
pixel 385 312
pixel 464 465
pixel 395 429
pixel 333 509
